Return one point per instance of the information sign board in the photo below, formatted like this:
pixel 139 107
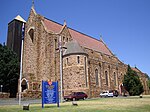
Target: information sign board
pixel 50 93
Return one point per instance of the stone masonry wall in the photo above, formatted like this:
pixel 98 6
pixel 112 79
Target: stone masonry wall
pixel 74 77
pixel 41 59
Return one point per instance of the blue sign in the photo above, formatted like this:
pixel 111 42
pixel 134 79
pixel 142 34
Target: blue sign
pixel 50 93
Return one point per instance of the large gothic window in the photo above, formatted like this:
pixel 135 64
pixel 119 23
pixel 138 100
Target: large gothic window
pixel 31 33
pixel 106 77
pixel 96 76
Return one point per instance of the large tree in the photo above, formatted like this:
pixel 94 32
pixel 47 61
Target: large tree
pixel 132 83
pixel 9 70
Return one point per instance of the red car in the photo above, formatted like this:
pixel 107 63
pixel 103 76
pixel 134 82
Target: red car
pixel 76 96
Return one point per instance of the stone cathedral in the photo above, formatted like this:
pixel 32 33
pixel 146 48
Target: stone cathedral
pixel 88 64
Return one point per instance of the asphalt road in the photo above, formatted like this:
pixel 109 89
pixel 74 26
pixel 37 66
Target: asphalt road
pixel 15 101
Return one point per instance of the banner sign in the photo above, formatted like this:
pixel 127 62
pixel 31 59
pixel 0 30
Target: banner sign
pixel 50 93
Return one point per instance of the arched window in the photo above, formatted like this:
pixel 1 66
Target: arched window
pixel 67 60
pixel 24 85
pixel 114 79
pixel 63 39
pixel 55 44
pixel 31 33
pixel 96 76
pixel 106 77
pixel 85 67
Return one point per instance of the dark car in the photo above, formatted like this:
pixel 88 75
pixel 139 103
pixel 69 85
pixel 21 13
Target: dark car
pixel 115 92
pixel 76 96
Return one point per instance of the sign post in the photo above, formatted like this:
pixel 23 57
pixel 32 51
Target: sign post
pixel 50 93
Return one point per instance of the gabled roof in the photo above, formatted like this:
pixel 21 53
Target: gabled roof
pixel 83 39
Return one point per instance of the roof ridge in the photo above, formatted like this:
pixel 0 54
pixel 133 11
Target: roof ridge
pixel 73 29
pixel 98 46
pixel 107 47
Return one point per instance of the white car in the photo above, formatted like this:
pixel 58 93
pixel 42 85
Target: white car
pixel 106 94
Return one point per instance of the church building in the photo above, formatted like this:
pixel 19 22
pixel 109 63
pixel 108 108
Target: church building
pixel 88 65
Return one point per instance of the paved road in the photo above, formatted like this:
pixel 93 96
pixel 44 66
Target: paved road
pixel 14 101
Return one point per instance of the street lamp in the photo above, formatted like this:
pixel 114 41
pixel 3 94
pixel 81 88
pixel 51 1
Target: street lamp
pixel 1 88
pixel 61 71
pixel 61 83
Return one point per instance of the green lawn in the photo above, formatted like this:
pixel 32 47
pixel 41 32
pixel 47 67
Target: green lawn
pixel 128 104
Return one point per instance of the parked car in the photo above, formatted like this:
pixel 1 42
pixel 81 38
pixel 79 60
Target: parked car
pixel 76 96
pixel 106 94
pixel 115 92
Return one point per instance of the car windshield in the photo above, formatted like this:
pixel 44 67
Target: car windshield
pixel 110 91
pixel 72 93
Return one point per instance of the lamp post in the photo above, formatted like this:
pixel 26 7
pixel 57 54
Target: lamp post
pixel 61 83
pixel 22 44
pixel 61 70
pixel 1 88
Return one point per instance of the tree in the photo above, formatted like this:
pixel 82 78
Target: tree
pixel 9 70
pixel 132 83
pixel 148 80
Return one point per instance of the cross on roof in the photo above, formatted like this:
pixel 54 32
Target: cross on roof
pixel 32 3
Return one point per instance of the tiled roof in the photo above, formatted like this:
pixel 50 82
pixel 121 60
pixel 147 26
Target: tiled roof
pixel 52 26
pixel 135 69
pixel 73 47
pixel 82 39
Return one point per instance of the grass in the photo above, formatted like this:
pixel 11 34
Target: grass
pixel 128 104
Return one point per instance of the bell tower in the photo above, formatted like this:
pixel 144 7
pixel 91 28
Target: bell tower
pixel 14 34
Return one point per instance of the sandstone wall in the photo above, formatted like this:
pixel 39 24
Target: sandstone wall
pixel 41 62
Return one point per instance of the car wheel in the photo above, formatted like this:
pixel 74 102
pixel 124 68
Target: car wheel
pixel 74 99
pixel 84 98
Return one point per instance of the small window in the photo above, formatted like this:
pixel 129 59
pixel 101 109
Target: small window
pixel 55 43
pixel 67 39
pixel 106 76
pixel 114 79
pixel 78 59
pixel 96 75
pixel 67 60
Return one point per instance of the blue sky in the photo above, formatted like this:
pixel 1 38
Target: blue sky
pixel 124 24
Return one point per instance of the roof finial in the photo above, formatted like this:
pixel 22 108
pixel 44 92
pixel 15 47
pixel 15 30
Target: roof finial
pixel 65 22
pixel 32 3
pixel 101 38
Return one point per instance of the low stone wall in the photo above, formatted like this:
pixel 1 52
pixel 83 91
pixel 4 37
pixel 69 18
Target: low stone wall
pixel 31 94
pixel 4 95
